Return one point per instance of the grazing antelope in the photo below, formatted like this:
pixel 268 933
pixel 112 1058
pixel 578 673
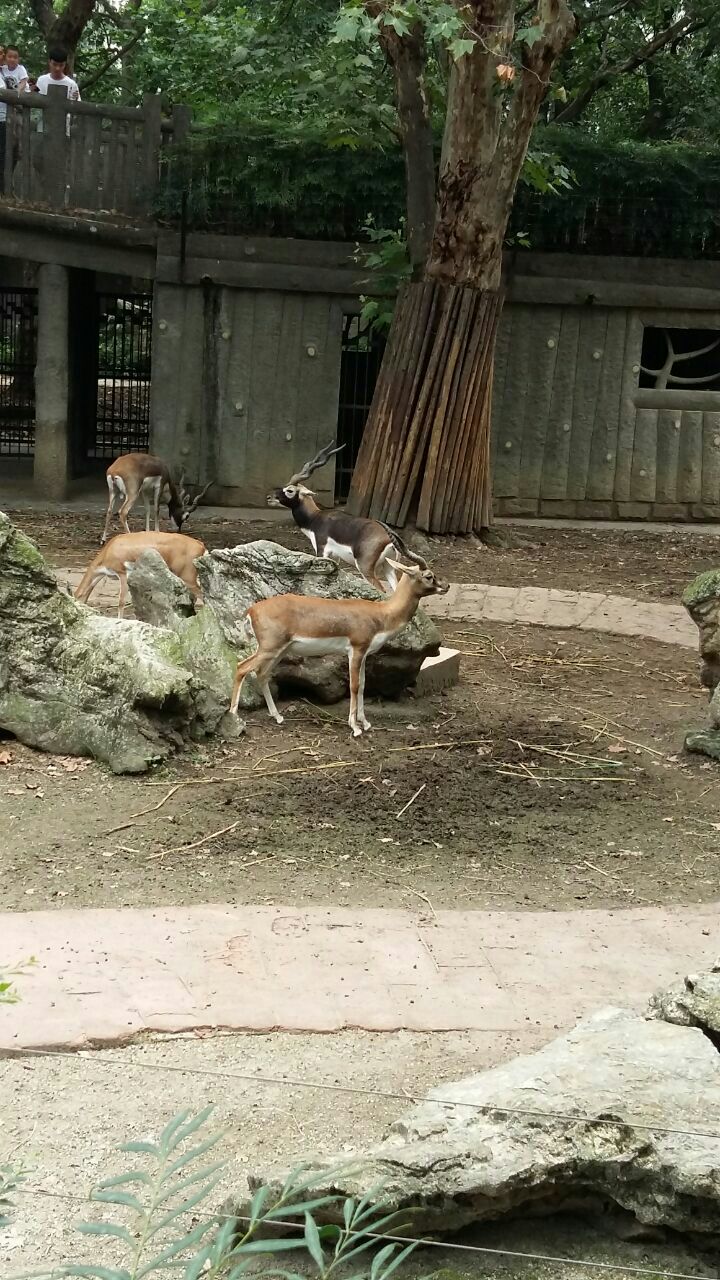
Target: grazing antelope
pixel 142 473
pixel 365 544
pixel 293 625
pixel 114 559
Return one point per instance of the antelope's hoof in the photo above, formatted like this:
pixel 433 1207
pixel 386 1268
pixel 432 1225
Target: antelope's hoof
pixel 279 719
pixel 356 731
pixel 366 724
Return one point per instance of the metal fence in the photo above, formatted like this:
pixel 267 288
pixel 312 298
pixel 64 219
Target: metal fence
pixel 124 353
pixel 18 345
pixel 362 353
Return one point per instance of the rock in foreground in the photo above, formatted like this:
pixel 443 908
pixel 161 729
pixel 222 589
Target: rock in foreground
pixel 461 1160
pixel 77 683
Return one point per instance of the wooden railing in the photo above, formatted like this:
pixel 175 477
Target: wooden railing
pixel 64 155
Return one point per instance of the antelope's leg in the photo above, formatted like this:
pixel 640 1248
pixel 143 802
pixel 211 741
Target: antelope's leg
pixel 361 696
pixel 127 506
pixel 147 502
pixel 110 511
pixel 122 575
pixel 356 664
pixel 157 492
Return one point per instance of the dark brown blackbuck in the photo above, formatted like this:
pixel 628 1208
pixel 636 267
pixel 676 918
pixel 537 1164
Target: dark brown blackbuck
pixel 364 544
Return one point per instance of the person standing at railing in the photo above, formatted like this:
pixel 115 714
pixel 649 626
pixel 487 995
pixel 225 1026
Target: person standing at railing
pixel 57 74
pixel 12 76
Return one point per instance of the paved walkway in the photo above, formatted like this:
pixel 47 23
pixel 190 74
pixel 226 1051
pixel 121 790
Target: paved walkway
pixel 105 977
pixel 536 606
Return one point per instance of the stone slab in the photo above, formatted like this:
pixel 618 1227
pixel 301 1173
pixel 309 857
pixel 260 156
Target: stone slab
pixel 107 976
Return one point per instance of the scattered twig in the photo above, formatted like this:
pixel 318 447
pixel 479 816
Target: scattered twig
pixel 411 800
pixel 122 826
pixel 185 848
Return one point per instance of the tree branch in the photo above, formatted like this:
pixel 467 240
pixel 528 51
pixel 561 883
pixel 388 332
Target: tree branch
pixel 44 15
pixel 114 57
pixel 683 27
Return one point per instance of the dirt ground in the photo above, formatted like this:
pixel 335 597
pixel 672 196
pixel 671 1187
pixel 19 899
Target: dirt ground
pixel 127 1094
pixel 552 777
pixel 641 563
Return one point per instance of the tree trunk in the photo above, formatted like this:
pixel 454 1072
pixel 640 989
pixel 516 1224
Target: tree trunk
pixel 407 56
pixel 425 454
pixel 63 29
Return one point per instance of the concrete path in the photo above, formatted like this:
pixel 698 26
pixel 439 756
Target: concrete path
pixel 104 977
pixel 536 606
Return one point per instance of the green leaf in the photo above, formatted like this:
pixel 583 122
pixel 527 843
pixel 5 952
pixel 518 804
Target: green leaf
pixel 97 1273
pixel 294 1210
pixel 312 1240
pixel 270 1246
pixel 350 1206
pixel 185 1130
pixel 397 22
pixel 107 1229
pixel 133 1175
pixel 397 1261
pixel 185 1206
pixel 176 1247
pixel 380 1258
pixel 346 27
pixel 259 1201
pixel 117 1197
pixel 529 35
pixel 171 1128
pixel 141 1148
pixel 194 1154
pixel 459 47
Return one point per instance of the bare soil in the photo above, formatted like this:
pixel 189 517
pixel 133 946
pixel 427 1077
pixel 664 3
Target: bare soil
pixel 641 563
pixel 553 777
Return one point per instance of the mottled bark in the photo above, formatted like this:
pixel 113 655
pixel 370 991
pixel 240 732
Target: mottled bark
pixel 63 28
pixel 407 57
pixel 425 452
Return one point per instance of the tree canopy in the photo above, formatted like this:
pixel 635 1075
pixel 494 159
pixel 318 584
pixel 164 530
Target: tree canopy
pixel 638 69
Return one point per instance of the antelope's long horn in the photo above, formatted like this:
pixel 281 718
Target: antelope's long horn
pixel 316 463
pixel 199 496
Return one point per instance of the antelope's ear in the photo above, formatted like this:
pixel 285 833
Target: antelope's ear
pixel 401 568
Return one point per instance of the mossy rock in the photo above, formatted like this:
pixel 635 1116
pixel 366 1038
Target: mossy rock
pixel 704 587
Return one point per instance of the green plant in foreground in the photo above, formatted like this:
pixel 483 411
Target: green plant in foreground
pixel 8 992
pixel 10 1179
pixel 162 1198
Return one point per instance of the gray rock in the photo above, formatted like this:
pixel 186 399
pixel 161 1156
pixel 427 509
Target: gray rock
pixel 458 1159
pixel 157 595
pixel 75 682
pixel 694 1002
pixel 235 578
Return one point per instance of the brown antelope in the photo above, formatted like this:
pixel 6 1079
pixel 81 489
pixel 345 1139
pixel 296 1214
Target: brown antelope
pixel 142 473
pixel 291 625
pixel 365 544
pixel 114 559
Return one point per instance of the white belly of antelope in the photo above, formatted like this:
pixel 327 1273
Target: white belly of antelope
pixel 338 551
pixel 317 647
pixel 379 640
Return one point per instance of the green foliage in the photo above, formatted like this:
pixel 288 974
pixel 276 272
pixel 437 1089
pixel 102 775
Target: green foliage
pixel 8 990
pixel 388 265
pixel 163 1192
pixel 10 1179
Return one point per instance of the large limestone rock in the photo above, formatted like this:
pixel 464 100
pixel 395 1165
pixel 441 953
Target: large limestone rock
pixel 75 682
pixel 235 578
pixel 458 1158
pixel 702 601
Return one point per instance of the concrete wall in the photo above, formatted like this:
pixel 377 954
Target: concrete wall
pixel 575 435
pixel 245 384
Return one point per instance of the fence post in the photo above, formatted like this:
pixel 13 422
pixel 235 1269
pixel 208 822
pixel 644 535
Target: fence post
pixel 181 120
pixel 55 146
pixel 151 142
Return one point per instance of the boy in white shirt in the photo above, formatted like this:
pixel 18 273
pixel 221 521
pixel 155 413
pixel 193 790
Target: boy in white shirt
pixel 12 76
pixel 57 74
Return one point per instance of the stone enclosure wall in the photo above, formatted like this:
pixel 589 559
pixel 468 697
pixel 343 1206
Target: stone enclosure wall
pixel 607 383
